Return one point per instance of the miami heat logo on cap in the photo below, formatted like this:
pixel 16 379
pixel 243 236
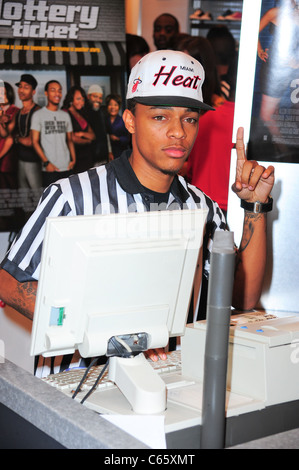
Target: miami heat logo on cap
pixel 136 82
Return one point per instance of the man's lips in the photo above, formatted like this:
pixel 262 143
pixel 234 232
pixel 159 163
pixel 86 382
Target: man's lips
pixel 175 152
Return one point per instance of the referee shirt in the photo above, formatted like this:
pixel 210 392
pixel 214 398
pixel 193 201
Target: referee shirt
pixel 110 188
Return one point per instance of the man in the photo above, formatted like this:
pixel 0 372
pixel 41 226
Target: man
pixel 29 166
pixel 166 28
pixel 100 147
pixel 52 136
pixel 164 102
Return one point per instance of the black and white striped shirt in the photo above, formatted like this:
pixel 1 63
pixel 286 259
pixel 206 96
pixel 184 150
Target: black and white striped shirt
pixel 110 188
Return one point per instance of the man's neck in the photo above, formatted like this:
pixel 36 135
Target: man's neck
pixel 150 178
pixel 52 107
pixel 27 105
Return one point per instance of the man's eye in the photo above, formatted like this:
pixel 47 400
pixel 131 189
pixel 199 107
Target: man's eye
pixel 159 118
pixel 191 120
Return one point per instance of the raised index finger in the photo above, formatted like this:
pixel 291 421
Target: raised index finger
pixel 240 147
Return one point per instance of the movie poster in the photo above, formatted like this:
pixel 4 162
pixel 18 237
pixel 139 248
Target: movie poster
pixel 77 42
pixel 274 133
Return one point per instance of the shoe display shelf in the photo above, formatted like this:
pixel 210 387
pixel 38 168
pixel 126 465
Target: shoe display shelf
pixel 204 14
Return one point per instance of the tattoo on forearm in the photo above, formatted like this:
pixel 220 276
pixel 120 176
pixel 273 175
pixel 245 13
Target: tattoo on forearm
pixel 248 229
pixel 25 300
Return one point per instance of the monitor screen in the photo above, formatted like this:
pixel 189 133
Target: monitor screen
pixel 116 274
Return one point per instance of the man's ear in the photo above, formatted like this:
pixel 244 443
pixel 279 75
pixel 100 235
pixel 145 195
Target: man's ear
pixel 129 120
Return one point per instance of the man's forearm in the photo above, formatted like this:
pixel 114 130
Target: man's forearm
pixel 251 262
pixel 19 295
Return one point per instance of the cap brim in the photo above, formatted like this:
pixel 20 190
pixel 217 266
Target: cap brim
pixel 31 84
pixel 176 101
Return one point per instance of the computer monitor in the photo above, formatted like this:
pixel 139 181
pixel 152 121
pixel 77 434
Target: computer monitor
pixel 124 276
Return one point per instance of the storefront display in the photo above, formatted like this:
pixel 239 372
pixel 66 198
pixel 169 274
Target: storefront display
pixel 77 43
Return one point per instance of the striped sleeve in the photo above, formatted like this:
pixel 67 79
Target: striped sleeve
pixel 215 221
pixel 23 258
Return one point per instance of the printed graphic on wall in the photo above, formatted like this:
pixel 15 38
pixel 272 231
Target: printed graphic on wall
pixel 77 43
pixel 274 133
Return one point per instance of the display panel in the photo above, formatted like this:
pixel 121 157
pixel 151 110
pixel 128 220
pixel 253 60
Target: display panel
pixel 115 274
pixel 274 131
pixel 281 278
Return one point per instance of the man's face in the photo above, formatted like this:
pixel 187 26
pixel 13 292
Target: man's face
pixel 96 99
pixel 164 31
pixel 163 137
pixel 54 93
pixel 25 91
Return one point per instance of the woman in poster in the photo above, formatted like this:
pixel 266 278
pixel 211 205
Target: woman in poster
pixel 119 136
pixel 279 69
pixel 8 158
pixel 83 135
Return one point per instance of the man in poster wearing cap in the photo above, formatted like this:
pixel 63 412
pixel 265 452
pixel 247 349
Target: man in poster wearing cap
pixel 29 174
pixel 100 146
pixel 164 103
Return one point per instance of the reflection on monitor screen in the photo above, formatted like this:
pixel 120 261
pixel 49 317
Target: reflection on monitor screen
pixel 117 279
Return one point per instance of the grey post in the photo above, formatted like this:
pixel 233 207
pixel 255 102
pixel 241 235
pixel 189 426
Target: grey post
pixel 216 348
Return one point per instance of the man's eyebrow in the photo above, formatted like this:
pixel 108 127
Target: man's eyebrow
pixel 161 106
pixel 193 110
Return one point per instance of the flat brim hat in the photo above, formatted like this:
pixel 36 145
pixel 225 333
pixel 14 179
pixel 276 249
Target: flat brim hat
pixel 167 78
pixel 27 78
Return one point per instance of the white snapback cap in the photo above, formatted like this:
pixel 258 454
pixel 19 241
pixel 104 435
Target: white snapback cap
pixel 167 78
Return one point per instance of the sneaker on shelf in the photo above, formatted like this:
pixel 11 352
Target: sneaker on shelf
pixel 206 16
pixel 197 15
pixel 237 16
pixel 224 15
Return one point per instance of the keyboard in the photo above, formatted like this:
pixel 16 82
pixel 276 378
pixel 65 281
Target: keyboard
pixel 68 381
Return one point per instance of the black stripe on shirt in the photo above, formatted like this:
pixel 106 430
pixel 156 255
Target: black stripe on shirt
pixel 36 228
pixel 111 185
pixel 131 203
pixel 95 190
pixel 196 197
pixel 35 260
pixel 77 193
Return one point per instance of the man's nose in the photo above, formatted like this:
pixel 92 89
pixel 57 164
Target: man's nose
pixel 176 129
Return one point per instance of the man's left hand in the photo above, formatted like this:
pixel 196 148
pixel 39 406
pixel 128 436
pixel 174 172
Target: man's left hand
pixel 253 182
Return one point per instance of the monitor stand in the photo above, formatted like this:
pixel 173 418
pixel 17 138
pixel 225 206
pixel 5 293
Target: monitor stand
pixel 139 382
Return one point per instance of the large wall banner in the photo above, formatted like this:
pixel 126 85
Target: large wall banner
pixel 76 42
pixel 274 133
pixel 84 32
pixel 63 19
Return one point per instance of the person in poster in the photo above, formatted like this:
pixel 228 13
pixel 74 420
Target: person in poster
pixel 63 40
pixel 277 82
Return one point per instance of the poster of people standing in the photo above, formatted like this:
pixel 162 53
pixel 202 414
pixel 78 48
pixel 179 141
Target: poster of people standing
pixel 274 132
pixel 79 46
